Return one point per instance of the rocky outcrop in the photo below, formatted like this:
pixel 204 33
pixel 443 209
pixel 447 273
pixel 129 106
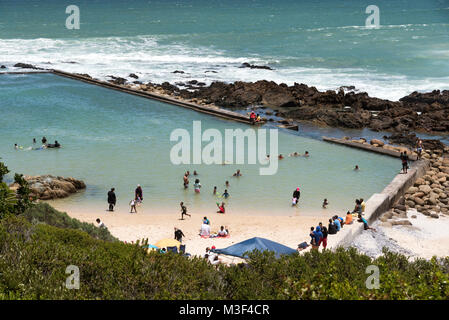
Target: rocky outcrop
pixel 253 66
pixel 410 140
pixel 117 80
pixel 341 108
pixel 47 187
pixel 27 66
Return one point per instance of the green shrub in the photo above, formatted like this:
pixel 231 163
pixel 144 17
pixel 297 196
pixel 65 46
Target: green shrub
pixel 44 213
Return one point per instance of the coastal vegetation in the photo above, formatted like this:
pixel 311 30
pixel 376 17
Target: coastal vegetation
pixel 38 243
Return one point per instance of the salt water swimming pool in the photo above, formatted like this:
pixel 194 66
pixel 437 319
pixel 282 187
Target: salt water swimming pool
pixel 113 139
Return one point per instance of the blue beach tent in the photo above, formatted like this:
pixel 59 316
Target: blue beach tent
pixel 260 244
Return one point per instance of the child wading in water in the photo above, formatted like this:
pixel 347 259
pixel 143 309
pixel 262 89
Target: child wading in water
pixel 197 185
pixel 132 203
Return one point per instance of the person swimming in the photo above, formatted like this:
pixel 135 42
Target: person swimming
pixel 215 191
pixel 281 156
pixel 225 194
pixel 237 174
pixel 54 145
pixel 227 183
pixel 325 203
pixel 294 154
pixel 306 154
pixel 356 168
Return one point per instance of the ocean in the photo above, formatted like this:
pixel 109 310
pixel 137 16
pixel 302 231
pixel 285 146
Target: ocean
pixel 319 43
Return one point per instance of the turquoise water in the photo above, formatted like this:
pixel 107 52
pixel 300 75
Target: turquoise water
pixel 112 139
pixel 321 43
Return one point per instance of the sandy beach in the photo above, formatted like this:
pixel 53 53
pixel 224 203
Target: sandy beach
pixel 288 230
pixel 425 238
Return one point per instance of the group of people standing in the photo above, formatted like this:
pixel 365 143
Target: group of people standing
pixel 318 235
pixel 138 198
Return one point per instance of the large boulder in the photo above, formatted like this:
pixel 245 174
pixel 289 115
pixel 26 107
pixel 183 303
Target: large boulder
pixel 425 188
pixel 48 187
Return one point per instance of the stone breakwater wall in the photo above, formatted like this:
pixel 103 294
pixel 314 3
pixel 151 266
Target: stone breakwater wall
pixel 380 203
pixel 376 146
pixel 208 109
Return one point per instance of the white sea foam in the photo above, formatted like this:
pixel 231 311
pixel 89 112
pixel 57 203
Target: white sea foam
pixel 153 60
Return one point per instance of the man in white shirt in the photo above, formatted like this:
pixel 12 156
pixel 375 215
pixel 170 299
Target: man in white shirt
pixel 100 223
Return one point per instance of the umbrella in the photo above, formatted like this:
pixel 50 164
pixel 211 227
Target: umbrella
pixel 151 247
pixel 164 243
pixel 260 244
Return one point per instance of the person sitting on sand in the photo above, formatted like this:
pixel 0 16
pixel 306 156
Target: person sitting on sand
pixel 302 246
pixel 225 194
pixel 205 230
pixel 184 211
pixel 221 208
pixel 197 186
pixel 332 228
pixel 224 232
pixel 206 221
pixel 365 223
pixel 100 223
pixel 325 203
pixel 132 203
pixel 348 219
pixel 237 174
pixel 179 234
